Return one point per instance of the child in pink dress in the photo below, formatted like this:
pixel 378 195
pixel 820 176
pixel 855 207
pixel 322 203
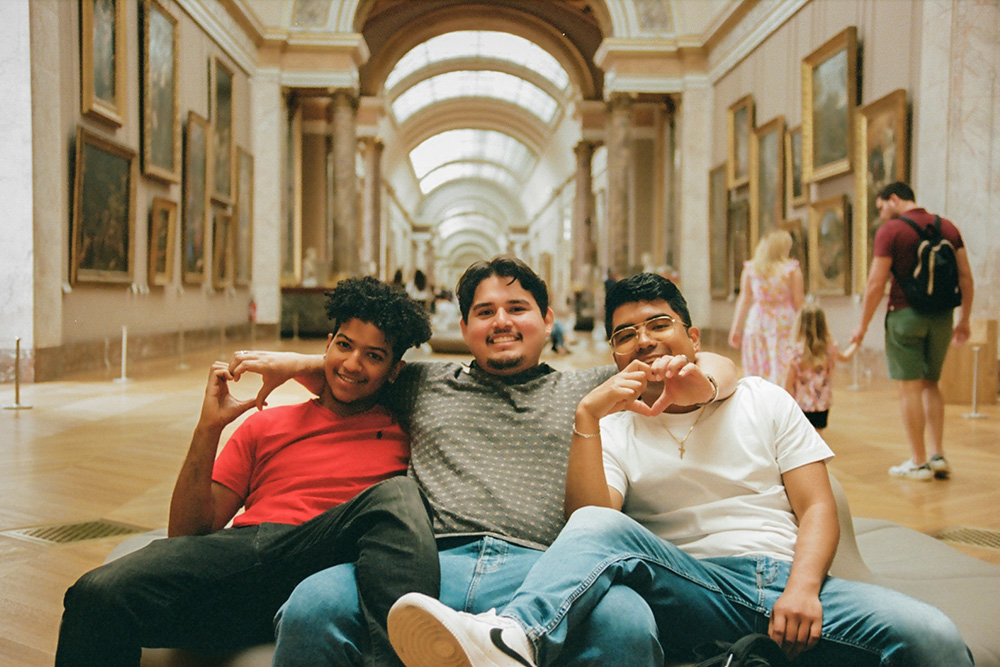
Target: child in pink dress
pixel 810 374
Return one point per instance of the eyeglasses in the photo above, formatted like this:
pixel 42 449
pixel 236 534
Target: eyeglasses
pixel 658 328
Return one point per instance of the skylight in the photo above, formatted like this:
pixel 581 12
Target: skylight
pixel 468 83
pixel 469 144
pixel 479 44
pixel 455 171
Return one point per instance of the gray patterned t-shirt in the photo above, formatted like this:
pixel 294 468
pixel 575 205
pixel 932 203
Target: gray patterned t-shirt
pixel 490 451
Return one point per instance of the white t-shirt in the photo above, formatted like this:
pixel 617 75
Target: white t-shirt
pixel 726 496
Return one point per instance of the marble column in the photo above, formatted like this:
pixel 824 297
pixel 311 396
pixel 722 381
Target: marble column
pixel 371 228
pixel 619 164
pixel 345 183
pixel 17 251
pixel 583 205
pixel 267 109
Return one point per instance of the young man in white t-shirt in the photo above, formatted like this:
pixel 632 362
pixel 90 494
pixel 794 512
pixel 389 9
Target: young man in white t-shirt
pixel 720 515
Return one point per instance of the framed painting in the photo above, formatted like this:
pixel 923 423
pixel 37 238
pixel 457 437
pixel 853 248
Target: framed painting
pixel 718 239
pixel 103 244
pixel 162 240
pixel 223 147
pixel 161 128
pixel 829 246
pixel 222 245
pixel 194 219
pixel 800 246
pixel 829 94
pixel 244 218
pixel 738 226
pixel 767 177
pixel 740 128
pixel 102 60
pixel 882 156
pixel 794 186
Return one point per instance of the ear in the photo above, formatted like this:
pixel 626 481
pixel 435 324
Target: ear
pixel 550 320
pixel 394 373
pixel 463 325
pixel 695 337
pixel 329 342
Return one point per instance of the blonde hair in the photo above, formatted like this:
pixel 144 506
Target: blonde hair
pixel 772 251
pixel 812 334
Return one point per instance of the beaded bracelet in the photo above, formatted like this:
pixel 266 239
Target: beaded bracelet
pixel 585 435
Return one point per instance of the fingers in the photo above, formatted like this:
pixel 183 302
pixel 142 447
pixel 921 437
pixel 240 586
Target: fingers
pixel 261 399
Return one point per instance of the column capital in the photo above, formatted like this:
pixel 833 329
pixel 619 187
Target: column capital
pixel 620 102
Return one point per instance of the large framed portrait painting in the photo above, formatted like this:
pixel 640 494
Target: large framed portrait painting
pixel 103 245
pixel 102 60
pixel 740 124
pixel 767 171
pixel 718 238
pixel 223 148
pixel 194 220
pixel 829 94
pixel 161 130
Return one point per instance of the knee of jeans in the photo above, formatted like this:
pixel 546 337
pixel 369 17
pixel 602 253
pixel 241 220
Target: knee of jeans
pixel 592 519
pixel 622 618
pixel 323 605
pixel 97 590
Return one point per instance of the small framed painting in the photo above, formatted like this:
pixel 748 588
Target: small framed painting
pixel 102 60
pixel 738 224
pixel 829 246
pixel 162 240
pixel 800 246
pixel 244 218
pixel 103 227
pixel 740 129
pixel 829 94
pixel 796 191
pixel 222 245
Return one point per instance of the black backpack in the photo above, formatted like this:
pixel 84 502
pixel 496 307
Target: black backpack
pixel 933 286
pixel 756 650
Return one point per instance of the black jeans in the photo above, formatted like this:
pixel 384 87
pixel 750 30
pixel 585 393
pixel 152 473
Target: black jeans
pixel 218 593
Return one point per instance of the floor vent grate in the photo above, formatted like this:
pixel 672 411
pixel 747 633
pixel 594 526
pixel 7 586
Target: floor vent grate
pixel 66 533
pixel 977 537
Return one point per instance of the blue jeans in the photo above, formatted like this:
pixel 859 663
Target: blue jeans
pixel 698 601
pixel 321 625
pixel 218 593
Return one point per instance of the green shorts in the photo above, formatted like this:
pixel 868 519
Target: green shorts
pixel 916 344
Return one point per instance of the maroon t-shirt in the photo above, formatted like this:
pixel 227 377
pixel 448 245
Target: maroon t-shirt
pixel 897 240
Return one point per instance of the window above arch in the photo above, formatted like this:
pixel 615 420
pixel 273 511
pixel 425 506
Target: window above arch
pixel 477 148
pixel 475 83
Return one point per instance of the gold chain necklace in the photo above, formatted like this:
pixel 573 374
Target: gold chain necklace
pixel 680 443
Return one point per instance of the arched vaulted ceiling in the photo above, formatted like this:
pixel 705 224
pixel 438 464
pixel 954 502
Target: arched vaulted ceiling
pixel 476 112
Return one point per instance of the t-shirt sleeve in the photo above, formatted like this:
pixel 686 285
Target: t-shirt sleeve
pixel 884 239
pixel 233 466
pixel 796 441
pixel 613 442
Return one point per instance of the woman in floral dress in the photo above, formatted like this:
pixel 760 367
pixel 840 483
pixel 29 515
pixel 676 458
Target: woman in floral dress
pixel 771 293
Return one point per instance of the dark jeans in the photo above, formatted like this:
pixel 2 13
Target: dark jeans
pixel 218 593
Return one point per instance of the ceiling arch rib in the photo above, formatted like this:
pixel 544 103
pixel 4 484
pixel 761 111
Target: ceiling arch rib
pixel 477 114
pixel 468 169
pixel 461 45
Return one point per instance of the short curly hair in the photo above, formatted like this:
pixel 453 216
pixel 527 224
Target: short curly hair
pixel 403 321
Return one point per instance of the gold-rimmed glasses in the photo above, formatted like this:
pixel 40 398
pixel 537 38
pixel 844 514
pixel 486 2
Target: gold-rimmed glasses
pixel 658 328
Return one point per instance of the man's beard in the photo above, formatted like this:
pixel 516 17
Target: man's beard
pixel 505 363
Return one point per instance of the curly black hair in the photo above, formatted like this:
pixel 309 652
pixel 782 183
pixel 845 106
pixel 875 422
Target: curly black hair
pixel 403 321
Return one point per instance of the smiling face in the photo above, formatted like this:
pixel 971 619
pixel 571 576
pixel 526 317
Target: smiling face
pixel 505 330
pixel 679 341
pixel 358 361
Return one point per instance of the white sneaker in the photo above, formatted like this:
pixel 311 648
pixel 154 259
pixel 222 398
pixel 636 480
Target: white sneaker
pixel 427 633
pixel 911 470
pixel 939 466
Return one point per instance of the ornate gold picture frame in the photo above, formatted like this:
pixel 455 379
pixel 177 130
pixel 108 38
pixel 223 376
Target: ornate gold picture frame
pixel 194 222
pixel 161 126
pixel 767 178
pixel 797 192
pixel 223 147
pixel 829 94
pixel 102 60
pixel 103 245
pixel 740 123
pixel 882 157
pixel 243 271
pixel 162 240
pixel 830 246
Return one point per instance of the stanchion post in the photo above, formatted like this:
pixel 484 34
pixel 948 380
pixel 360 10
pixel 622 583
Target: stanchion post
pixel 124 376
pixel 857 365
pixel 975 414
pixel 17 379
pixel 182 365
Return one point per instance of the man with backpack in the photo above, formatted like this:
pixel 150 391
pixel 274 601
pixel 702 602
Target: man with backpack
pixel 925 256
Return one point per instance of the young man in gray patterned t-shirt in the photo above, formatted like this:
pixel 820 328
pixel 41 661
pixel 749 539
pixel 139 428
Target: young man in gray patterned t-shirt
pixel 489 447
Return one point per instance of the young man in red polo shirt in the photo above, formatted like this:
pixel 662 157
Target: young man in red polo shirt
pixel 321 483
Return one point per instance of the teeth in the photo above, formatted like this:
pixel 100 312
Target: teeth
pixel 351 380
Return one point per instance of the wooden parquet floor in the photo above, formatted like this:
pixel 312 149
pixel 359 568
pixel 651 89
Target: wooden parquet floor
pixel 93 448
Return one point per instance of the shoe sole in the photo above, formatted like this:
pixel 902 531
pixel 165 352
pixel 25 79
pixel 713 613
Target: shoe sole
pixel 942 474
pixel 915 478
pixel 421 640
